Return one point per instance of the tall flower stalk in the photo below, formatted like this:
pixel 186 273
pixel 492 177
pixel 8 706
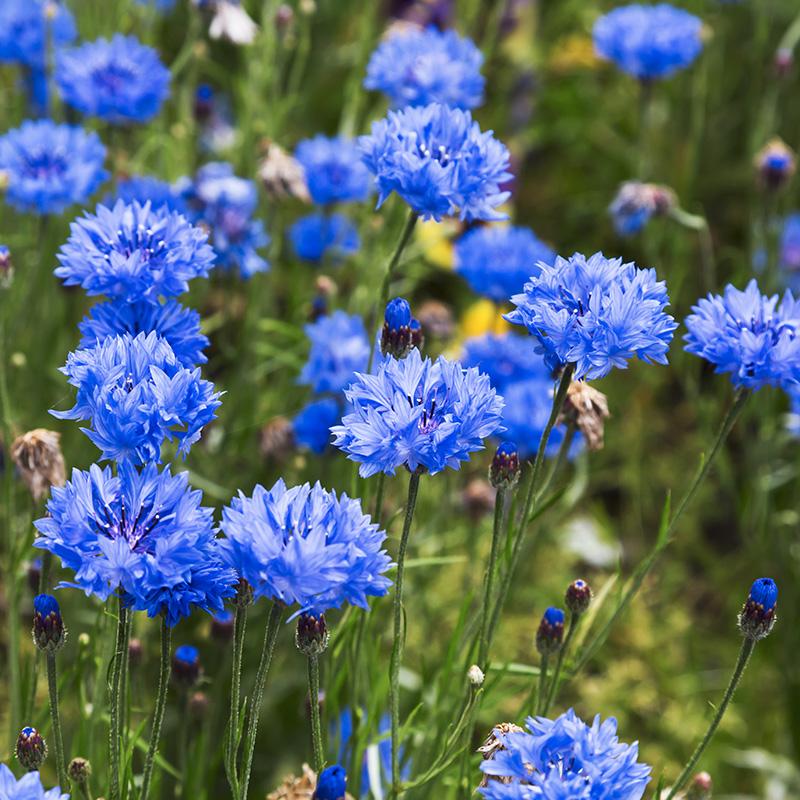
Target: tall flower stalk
pixel 161 705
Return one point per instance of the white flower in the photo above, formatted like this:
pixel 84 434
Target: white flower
pixel 233 23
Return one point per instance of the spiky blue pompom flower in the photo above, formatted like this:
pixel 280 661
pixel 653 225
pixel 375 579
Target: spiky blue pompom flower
pixel 315 237
pixel 749 335
pixel 142 534
pixel 649 42
pixel 28 787
pixel 26 26
pixel 306 547
pixel 226 204
pixel 177 325
pixel 121 81
pixel 414 67
pixel 419 414
pixel 136 395
pixel 313 423
pixel 596 313
pixel 564 759
pixel 439 161
pixel 145 188
pixel 497 261
pixel 134 252
pixel 339 349
pixel 49 167
pixel 334 170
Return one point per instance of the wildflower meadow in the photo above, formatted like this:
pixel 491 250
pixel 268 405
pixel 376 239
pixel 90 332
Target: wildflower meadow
pixel 399 399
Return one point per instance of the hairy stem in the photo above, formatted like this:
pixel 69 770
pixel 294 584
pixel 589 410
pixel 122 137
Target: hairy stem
pixel 161 705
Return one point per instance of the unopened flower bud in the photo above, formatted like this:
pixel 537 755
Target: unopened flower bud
pixel 417 335
pixel 578 596
pixel 775 164
pixel 79 771
pixel 186 665
pixel 222 626
pixel 784 61
pixel 244 594
pixel 550 634
pixel 37 455
pixel 135 652
pixel 31 749
pixel 284 16
pixel 478 498
pixel 198 704
pixel 758 613
pixel 49 633
pixel 203 102
pixel 636 203
pixel 6 267
pixel 312 635
pixel 436 319
pixel 700 787
pixel 331 784
pixel 505 469
pixel 587 409
pixel 475 675
pixel 396 333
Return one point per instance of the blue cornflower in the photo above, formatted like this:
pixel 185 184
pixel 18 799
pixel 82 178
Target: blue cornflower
pixel 419 414
pixel 758 613
pixel 324 236
pixel 226 205
pixel 331 784
pixel 636 202
pixel 749 335
pixel 144 188
pixel 565 759
pixel 49 167
pixel 790 248
pixel 134 253
pixel 312 425
pixel 497 261
pixel 415 67
pixel 120 81
pixel 334 170
pixel 505 358
pixel 143 534
pixel 28 787
pixel 595 313
pixel 186 666
pixel 439 161
pixel 305 546
pixel 26 26
pixel 649 42
pixel 339 349
pixel 177 325
pixel 136 394
pixel 49 633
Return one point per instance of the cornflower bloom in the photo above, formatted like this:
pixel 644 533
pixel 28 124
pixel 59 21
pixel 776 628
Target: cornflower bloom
pixel 28 787
pixel 315 237
pixel 339 349
pixel 333 169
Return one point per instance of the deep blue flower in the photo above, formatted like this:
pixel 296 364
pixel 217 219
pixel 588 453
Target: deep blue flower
pixel 751 336
pixel 160 5
pixel 136 394
pixel 120 81
pixel 179 326
pixel 312 425
pixel 764 592
pixel 331 784
pixel 334 170
pixel 305 546
pixel 27 25
pixel 188 654
pixel 418 414
pixel 339 349
pixel 144 188
pixel 649 42
pixel 28 787
pixel 142 534
pixel 133 253
pixel 316 237
pixel 397 314
pixel 758 613
pixel 565 759
pixel 635 203
pixel 415 67
pixel 397 334
pixel 596 313
pixel 505 358
pixel 49 167
pixel 186 667
pixel 439 161
pixel 790 248
pixel 226 205
pixel 497 261
pixel 550 633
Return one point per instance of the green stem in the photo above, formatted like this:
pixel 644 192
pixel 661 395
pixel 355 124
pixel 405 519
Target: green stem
pixel 499 509
pixel 554 681
pixel 376 514
pixel 316 724
pixel 744 656
pixel 254 707
pixel 58 737
pixel 232 743
pixel 161 705
pixel 561 457
pixel 399 633
pixel 645 125
pixel 114 732
pixel 542 683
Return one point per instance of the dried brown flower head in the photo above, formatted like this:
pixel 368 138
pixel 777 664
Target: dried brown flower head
pixel 301 788
pixel 277 439
pixel 39 460
pixel 281 174
pixel 588 409
pixel 493 743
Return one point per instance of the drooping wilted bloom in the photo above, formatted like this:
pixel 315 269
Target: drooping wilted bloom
pixel 281 174
pixel 305 546
pixel 134 253
pixel 587 409
pixel 636 203
pixel 749 335
pixel 333 169
pixel 49 633
pixel 48 167
pixel 226 205
pixel 38 457
pixel 31 751
pixel 564 758
pixel 331 784
pixel 758 613
pixel 775 164
pixel 316 237
pixel 417 413
pixel 121 81
pixel 649 42
pixel 414 67
pixel 497 261
pixel 177 325
pixel 26 25
pixel 439 161
pixel 143 534
pixel 312 425
pixel 596 313
pixel 136 394
pixel 339 349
